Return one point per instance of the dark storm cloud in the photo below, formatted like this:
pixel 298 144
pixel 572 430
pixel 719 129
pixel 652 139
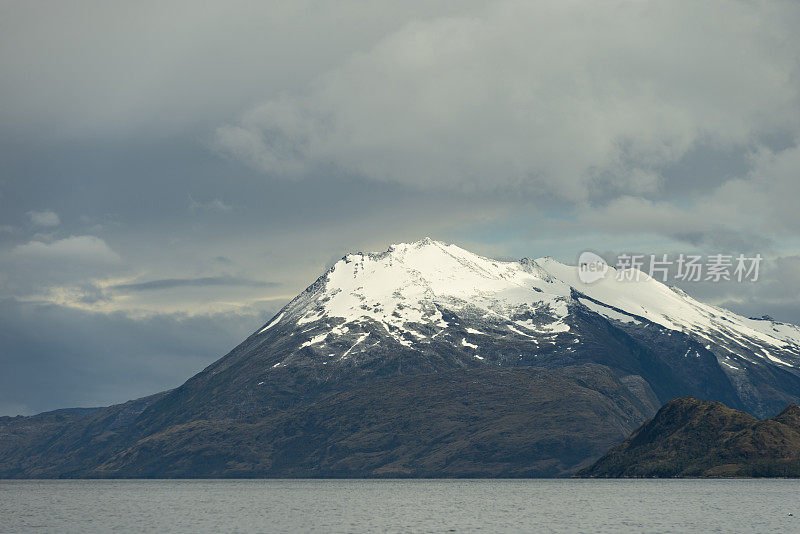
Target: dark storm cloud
pixel 54 357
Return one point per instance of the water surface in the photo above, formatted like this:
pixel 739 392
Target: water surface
pixel 400 506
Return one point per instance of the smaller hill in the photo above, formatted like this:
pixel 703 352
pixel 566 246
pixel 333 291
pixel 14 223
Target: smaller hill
pixel 692 438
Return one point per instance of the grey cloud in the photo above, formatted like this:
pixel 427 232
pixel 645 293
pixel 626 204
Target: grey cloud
pixel 164 68
pixel 88 293
pixel 776 292
pixel 44 218
pixel 83 248
pixel 756 211
pixel 211 205
pixel 723 239
pixel 170 283
pixel 507 98
pixel 36 266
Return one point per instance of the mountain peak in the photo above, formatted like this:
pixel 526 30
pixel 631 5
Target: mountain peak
pixel 414 282
pixel 402 249
pixel 425 293
pixel 425 242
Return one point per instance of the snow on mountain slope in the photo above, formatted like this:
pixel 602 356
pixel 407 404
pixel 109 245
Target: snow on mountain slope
pixel 672 308
pixel 409 286
pixel 410 283
pixel 423 306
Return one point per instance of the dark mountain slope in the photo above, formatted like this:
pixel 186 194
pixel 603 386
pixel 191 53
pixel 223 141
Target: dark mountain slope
pixel 691 438
pixel 66 442
pixel 472 422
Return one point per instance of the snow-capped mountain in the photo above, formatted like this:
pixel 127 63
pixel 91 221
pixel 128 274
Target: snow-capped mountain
pixel 430 305
pixel 429 360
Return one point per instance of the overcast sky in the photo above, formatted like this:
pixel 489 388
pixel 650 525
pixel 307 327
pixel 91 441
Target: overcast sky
pixel 172 173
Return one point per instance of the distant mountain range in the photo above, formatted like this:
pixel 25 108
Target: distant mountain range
pixel 692 438
pixel 429 360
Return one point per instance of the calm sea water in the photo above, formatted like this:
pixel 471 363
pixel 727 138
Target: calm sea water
pixel 400 506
